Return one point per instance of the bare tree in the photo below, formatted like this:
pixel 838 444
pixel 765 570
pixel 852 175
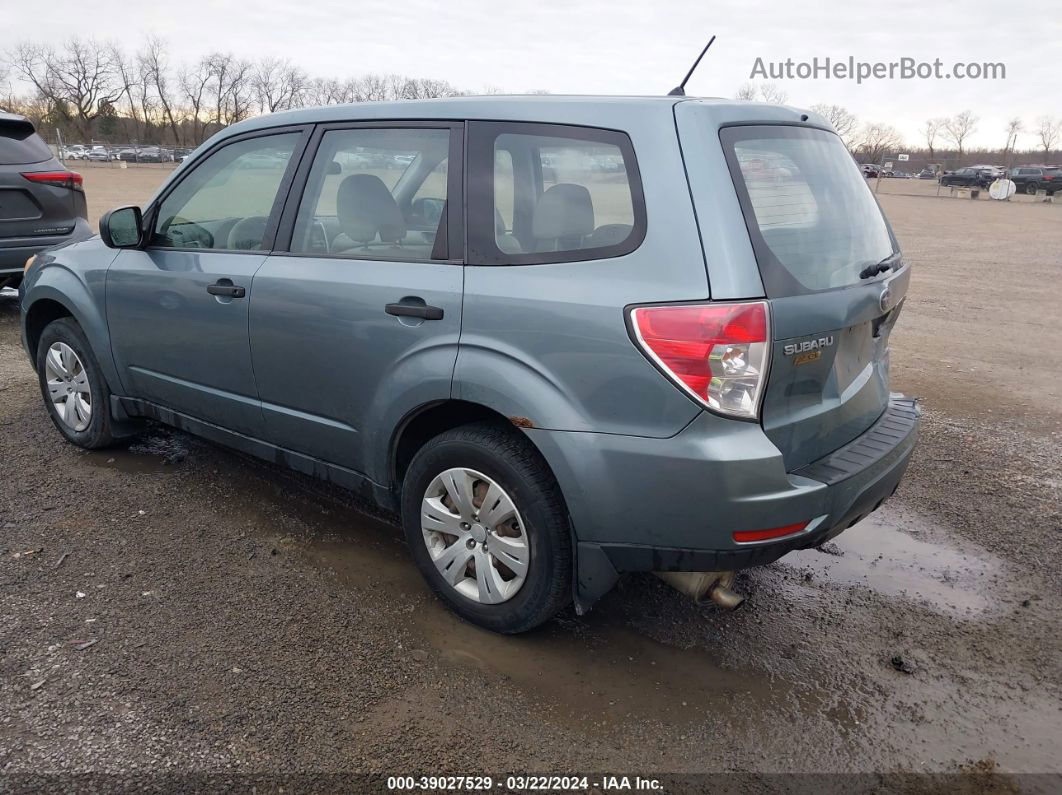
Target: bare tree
pixel 747 91
pixel 78 79
pixel 230 88
pixel 194 82
pixel 278 85
pixel 960 127
pixel 1049 131
pixel 371 88
pixel 1014 127
pixel 877 140
pixel 842 119
pixel 930 131
pixel 328 91
pixel 126 76
pixel 773 93
pixel 155 70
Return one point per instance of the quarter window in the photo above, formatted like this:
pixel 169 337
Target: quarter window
pixel 543 193
pixel 227 201
pixel 375 193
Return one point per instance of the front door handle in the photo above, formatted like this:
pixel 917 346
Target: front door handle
pixel 404 309
pixel 227 290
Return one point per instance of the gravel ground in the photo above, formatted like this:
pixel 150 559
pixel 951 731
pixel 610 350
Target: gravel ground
pixel 173 608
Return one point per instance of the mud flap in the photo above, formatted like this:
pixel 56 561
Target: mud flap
pixel 594 576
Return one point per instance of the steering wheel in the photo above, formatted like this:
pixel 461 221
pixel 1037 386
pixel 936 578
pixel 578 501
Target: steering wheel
pixel 182 233
pixel 247 233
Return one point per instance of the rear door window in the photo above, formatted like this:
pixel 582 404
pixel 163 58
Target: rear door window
pixel 813 220
pixel 543 193
pixel 20 145
pixel 377 193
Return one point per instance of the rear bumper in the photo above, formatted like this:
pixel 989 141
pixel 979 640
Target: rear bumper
pixel 15 251
pixel 673 504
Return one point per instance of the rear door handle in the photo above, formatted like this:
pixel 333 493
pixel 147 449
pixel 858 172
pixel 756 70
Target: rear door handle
pixel 229 290
pixel 404 309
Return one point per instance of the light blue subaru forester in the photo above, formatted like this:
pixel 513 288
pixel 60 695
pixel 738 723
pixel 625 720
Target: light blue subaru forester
pixel 563 337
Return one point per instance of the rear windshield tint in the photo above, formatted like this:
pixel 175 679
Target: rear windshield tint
pixel 20 145
pixel 813 221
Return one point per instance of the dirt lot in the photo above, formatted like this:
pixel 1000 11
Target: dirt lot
pixel 247 621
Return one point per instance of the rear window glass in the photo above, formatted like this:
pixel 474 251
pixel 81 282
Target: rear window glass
pixel 813 221
pixel 19 145
pixel 551 193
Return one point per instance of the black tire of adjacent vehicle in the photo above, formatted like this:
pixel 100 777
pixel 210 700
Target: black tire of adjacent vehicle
pixel 1031 188
pixel 506 456
pixel 99 431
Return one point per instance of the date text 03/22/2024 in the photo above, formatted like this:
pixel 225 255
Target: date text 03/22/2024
pixel 516 783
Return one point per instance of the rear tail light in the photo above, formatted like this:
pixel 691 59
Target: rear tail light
pixel 751 536
pixel 57 179
pixel 717 353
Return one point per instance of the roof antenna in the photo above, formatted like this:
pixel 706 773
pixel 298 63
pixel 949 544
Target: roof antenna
pixel 680 89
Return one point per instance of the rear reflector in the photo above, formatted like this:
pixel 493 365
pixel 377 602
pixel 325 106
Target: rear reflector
pixel 745 536
pixel 715 352
pixel 58 179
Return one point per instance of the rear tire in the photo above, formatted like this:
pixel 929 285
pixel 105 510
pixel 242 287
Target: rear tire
pixel 74 390
pixel 1030 189
pixel 497 464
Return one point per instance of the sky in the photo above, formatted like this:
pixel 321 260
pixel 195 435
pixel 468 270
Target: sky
pixel 617 46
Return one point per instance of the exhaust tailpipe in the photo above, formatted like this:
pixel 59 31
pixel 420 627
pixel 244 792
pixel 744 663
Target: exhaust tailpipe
pixel 699 585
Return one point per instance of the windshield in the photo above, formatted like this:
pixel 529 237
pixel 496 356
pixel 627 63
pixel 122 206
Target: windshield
pixel 814 223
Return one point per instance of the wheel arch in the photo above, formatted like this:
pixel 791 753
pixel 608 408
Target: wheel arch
pixel 428 421
pixel 38 316
pixel 58 293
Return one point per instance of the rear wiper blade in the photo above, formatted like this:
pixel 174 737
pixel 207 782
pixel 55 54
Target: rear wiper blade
pixel 878 267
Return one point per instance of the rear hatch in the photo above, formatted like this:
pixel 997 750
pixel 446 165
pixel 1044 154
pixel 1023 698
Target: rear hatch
pixel 30 209
pixel 832 274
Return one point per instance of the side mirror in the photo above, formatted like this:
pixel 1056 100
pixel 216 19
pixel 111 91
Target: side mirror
pixel 122 228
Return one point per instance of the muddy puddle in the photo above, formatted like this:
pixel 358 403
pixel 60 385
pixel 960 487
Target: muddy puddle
pixel 158 450
pixel 601 671
pixel 591 671
pixel 903 556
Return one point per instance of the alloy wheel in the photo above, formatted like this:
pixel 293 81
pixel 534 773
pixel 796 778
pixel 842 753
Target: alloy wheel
pixel 475 536
pixel 68 386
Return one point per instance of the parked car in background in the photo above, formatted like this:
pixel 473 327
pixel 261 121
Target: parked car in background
pixel 926 173
pixel 154 154
pixel 75 152
pixel 991 173
pixel 969 177
pixel 98 154
pixel 180 154
pixel 536 382
pixel 1029 179
pixel 869 170
pixel 42 203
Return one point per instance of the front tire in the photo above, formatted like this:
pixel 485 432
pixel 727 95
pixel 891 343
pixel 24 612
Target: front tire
pixel 73 388
pixel 487 527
